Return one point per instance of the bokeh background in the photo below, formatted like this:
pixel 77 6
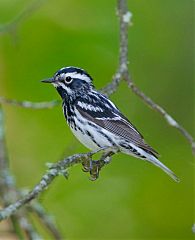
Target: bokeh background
pixel 132 199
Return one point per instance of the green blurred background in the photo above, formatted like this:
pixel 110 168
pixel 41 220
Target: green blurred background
pixel 131 199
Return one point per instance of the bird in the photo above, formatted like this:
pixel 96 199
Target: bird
pixel 96 121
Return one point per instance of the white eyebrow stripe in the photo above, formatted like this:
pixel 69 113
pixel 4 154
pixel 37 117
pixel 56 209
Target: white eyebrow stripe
pixel 79 76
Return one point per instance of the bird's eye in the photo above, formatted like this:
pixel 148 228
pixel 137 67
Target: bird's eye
pixel 68 79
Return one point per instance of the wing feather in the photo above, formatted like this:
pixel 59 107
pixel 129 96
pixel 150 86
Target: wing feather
pixel 118 125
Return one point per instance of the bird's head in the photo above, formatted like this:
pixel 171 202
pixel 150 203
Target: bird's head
pixel 70 81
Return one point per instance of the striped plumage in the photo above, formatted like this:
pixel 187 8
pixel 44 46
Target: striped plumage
pixel 96 121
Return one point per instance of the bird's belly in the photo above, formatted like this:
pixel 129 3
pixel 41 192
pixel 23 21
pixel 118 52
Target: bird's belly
pixel 84 139
pixel 91 139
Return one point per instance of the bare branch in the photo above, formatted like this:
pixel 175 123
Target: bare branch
pixel 28 104
pixel 27 226
pixel 59 168
pixel 112 87
pixel 170 120
pixel 11 27
pixel 8 190
pixel 123 73
pixel 46 219
pixel 125 17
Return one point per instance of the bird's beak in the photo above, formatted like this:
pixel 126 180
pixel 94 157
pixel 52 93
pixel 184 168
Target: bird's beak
pixel 49 80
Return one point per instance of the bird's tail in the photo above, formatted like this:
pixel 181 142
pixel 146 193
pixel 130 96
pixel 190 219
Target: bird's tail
pixel 151 156
pixel 156 162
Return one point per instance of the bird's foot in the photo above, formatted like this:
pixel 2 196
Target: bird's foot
pixel 86 166
pixel 94 170
pixel 94 167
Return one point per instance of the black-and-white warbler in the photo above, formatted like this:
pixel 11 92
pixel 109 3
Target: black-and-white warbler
pixel 96 121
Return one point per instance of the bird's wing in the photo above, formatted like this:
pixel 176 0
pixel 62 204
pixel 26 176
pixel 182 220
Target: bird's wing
pixel 112 120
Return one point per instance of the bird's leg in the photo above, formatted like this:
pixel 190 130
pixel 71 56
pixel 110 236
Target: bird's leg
pixel 87 163
pixel 95 166
pixel 106 156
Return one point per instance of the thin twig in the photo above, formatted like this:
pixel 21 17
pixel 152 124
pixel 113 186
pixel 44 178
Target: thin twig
pixel 46 219
pixel 125 17
pixel 11 27
pixel 59 168
pixel 8 190
pixel 170 120
pixel 123 73
pixel 27 226
pixel 28 104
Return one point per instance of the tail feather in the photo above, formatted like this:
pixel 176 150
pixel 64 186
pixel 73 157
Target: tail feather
pixel 150 156
pixel 159 164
